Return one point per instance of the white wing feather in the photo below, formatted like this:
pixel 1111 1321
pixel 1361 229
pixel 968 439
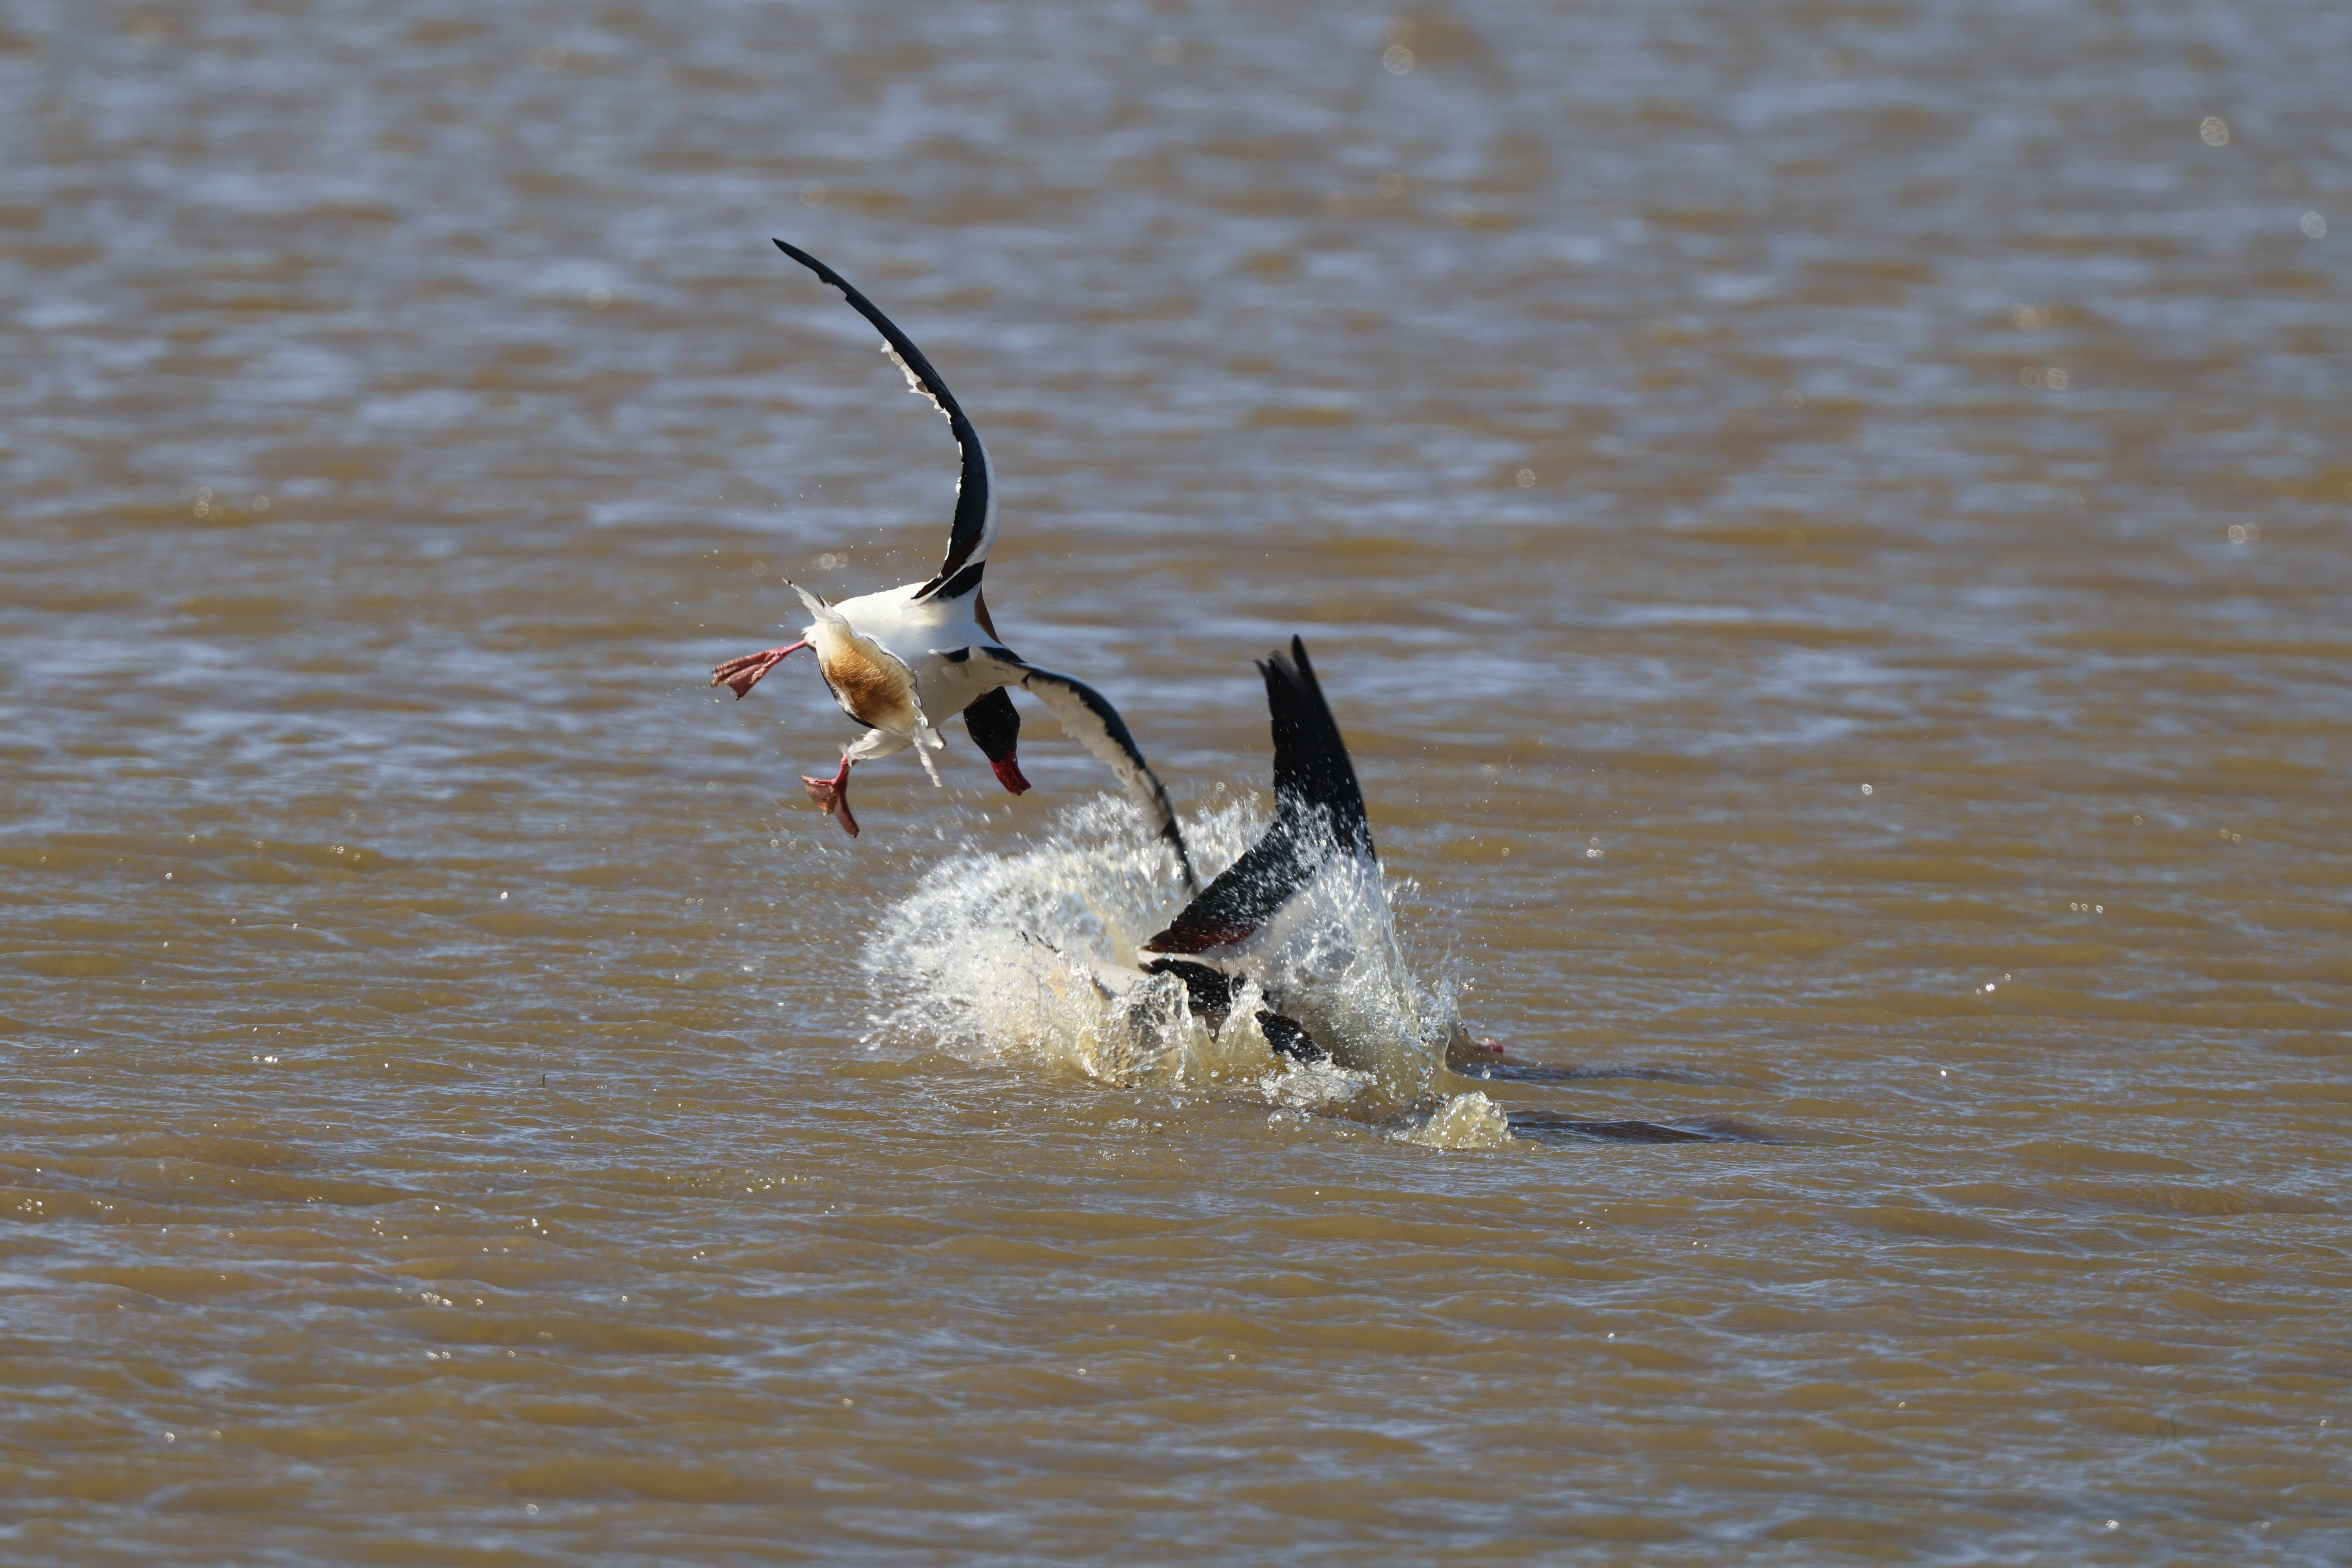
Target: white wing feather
pixel 1090 719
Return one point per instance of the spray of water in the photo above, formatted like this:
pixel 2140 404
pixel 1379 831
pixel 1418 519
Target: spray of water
pixel 1030 958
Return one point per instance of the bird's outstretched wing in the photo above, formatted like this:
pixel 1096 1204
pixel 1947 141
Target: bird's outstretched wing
pixel 1318 816
pixel 974 530
pixel 1086 714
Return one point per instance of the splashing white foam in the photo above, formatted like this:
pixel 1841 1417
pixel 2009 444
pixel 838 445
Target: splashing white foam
pixel 1468 1120
pixel 1030 957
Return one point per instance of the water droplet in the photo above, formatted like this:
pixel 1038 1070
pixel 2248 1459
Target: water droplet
pixel 2214 131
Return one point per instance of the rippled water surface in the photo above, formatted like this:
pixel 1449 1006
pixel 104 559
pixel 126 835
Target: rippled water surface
pixel 1825 525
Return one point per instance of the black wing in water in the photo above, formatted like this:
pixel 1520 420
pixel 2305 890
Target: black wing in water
pixel 974 530
pixel 1318 813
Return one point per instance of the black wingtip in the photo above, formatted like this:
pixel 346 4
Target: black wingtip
pixel 1175 836
pixel 1312 770
pixel 814 265
pixel 1315 792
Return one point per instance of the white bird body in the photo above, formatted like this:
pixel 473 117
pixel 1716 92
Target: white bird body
pixel 874 682
pixel 922 633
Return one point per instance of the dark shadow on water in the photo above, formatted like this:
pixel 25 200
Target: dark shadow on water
pixel 1549 1127
pixel 1536 1072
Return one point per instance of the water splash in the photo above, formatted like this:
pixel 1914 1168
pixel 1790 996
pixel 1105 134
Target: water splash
pixel 1030 957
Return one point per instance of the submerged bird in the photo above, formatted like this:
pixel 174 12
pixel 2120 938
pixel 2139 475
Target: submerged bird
pixel 1297 932
pixel 1263 902
pixel 903 660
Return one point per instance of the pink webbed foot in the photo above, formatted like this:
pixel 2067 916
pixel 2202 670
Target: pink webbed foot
pixel 833 796
pixel 744 673
pixel 1008 773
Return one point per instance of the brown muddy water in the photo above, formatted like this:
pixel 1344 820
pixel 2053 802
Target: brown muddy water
pixel 1826 526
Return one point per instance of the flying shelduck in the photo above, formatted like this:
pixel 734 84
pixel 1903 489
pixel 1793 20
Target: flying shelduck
pixel 904 660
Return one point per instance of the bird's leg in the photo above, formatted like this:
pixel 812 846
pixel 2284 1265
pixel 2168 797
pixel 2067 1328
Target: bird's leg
pixel 833 795
pixel 744 673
